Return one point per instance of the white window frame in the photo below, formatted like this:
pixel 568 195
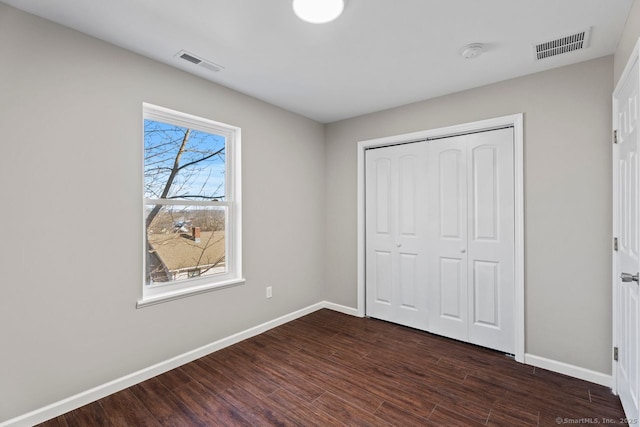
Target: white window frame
pixel 153 294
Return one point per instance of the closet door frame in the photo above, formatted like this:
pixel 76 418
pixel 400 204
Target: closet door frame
pixel 515 121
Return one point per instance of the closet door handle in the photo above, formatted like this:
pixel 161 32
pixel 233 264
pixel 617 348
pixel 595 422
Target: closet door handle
pixel 462 251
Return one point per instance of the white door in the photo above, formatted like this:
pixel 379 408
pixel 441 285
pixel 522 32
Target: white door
pixel 472 226
pixel 491 241
pixel 626 260
pixel 448 285
pixel 396 234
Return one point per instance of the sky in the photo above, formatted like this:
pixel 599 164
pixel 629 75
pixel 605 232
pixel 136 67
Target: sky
pixel 203 180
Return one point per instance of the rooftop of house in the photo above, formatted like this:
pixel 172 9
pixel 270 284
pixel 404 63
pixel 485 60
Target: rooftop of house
pixel 180 251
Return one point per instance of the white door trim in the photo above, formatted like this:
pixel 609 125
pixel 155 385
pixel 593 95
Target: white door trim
pixel 515 120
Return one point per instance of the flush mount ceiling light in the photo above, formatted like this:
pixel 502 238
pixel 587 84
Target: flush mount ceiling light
pixel 472 50
pixel 318 11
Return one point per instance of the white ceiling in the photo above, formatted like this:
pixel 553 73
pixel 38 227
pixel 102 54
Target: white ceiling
pixel 379 54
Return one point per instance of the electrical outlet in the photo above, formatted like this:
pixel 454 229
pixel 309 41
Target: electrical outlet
pixel 269 292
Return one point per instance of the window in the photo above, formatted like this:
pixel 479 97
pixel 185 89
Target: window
pixel 192 212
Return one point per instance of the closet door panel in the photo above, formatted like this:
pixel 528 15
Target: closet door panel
pixel 448 237
pixel 491 240
pixel 451 190
pixel 381 189
pixel 408 187
pixel 409 282
pixel 382 278
pixel 396 234
pixel 484 203
pixel 451 287
pixel 486 283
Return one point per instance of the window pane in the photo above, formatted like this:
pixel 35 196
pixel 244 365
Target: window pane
pixel 185 242
pixel 181 163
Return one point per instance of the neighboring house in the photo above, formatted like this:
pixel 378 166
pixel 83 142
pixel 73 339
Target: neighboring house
pixel 181 256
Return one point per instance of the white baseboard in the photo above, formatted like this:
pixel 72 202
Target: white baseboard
pixel 69 404
pixel 341 309
pixel 570 370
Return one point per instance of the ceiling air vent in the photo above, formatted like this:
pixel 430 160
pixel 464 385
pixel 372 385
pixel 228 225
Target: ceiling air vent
pixel 183 54
pixel 562 45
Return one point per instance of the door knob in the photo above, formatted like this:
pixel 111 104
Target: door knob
pixel 399 244
pixel 462 251
pixel 627 277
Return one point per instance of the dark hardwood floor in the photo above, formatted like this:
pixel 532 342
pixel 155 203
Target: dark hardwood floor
pixel 330 369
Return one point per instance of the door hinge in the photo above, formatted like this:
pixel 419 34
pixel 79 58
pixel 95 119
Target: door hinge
pixel 615 136
pixel 615 354
pixel 615 244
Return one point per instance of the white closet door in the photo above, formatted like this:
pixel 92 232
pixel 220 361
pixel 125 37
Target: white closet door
pixel 440 223
pixel 490 248
pixel 396 234
pixel 447 171
pixel 471 266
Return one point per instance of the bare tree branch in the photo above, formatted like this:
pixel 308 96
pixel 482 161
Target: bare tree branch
pixel 202 159
pixel 172 175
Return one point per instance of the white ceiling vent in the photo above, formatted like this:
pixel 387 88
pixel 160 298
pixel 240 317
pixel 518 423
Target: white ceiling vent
pixel 562 45
pixel 190 57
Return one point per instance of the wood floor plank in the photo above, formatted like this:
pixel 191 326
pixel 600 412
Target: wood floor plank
pixel 330 369
pixel 205 406
pixel 305 413
pixel 564 383
pixel 353 344
pixel 305 340
pixel 158 399
pixel 175 378
pixel 297 385
pixel 347 413
pixel 124 409
pixel 56 422
pixel 334 380
pixel 514 404
pixel 397 416
pixel 509 415
pixel 212 379
pixel 241 370
pixel 384 383
pixel 447 417
pixel 489 389
pixel 89 415
pixel 416 367
pixel 603 396
pixel 258 411
pixel 445 398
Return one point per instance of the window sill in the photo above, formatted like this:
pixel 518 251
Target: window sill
pixel 183 293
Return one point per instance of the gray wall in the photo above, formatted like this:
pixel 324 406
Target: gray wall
pixel 71 214
pixel 628 40
pixel 567 199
